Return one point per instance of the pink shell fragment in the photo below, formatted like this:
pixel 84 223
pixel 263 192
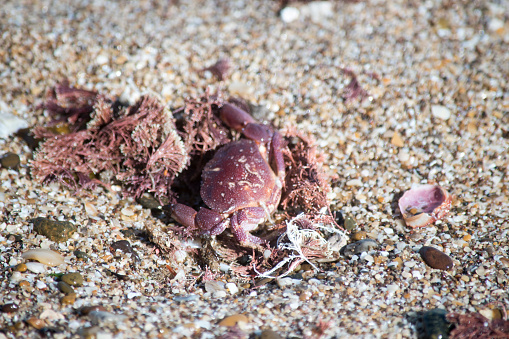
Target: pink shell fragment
pixel 424 205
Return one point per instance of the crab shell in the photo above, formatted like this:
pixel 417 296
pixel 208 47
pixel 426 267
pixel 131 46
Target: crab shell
pixel 424 205
pixel 239 177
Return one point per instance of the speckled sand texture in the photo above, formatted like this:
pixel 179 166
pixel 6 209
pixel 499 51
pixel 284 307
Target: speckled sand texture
pixel 433 109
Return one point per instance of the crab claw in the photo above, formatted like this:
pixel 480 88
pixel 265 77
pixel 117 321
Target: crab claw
pixel 241 121
pixel 183 214
pixel 234 117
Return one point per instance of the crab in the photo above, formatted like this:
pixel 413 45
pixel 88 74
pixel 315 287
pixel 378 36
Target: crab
pixel 241 185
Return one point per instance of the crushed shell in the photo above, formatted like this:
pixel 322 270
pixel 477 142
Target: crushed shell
pixel 424 205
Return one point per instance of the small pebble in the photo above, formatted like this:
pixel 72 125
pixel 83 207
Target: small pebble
pixel 125 246
pixel 68 299
pixel 127 211
pixel 85 310
pixel 435 325
pixel 440 112
pixel 36 323
pixel 36 267
pixel 317 10
pixel 232 288
pixel 181 255
pixel 44 256
pixel 270 334
pixel 148 202
pixel 81 255
pixel 350 223
pixel 397 140
pixel 49 314
pixel 9 308
pixel 102 59
pixel 233 320
pixel 359 236
pixel 97 317
pixel 58 231
pixel 306 267
pixel 28 137
pixel 91 210
pixel 289 14
pixel 505 261
pixel 24 284
pixel 220 294
pixel 10 160
pixel 214 286
pixel 16 277
pixel 186 298
pixel 21 268
pixel 435 258
pixel 220 69
pixel 287 281
pixel 241 89
pixel 65 287
pixel 360 246
pixel 73 279
pixel 41 285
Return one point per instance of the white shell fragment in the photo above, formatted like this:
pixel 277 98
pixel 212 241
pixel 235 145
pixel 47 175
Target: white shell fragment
pixel 289 14
pixel 424 205
pixel 9 123
pixel 440 112
pixel 44 256
pixel 36 267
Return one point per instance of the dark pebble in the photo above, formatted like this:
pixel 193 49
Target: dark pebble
pixel 340 219
pixel 350 223
pixel 73 279
pixel 14 237
pixel 58 231
pixel 65 287
pixel 129 233
pixel 9 308
pixel 125 246
pixel 27 135
pixel 81 255
pixel 360 246
pixel 10 160
pixel 85 310
pixel 121 277
pixel 435 324
pixel 435 258
pixel 270 334
pixel 148 202
pixel 186 298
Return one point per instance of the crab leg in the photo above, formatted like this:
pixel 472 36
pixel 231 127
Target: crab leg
pixel 208 221
pixel 241 121
pixel 183 214
pixel 276 156
pixel 245 221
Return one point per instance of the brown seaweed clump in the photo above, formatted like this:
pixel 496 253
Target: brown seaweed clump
pixel 476 326
pixel 136 145
pixel 306 186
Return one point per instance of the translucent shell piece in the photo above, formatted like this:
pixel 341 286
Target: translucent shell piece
pixel 424 205
pixel 44 256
